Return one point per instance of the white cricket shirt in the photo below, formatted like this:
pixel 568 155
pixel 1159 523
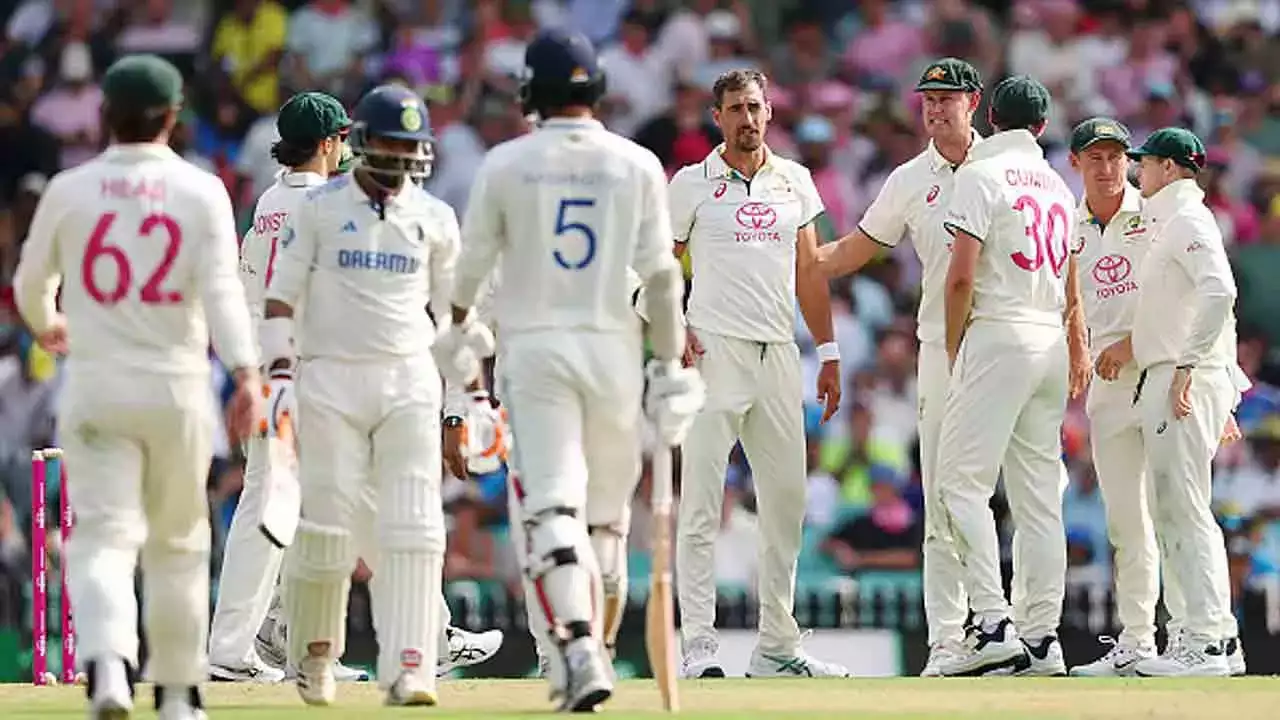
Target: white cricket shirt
pixel 261 244
pixel 564 212
pixel 1109 258
pixel 1184 309
pixel 143 245
pixel 914 200
pixel 1011 199
pixel 365 280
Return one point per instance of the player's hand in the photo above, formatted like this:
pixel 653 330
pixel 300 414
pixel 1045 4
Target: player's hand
pixel 692 348
pixel 454 439
pixel 1231 433
pixel 244 412
pixel 1113 359
pixel 459 349
pixel 54 340
pixel 829 388
pixel 280 405
pixel 674 398
pixel 1180 393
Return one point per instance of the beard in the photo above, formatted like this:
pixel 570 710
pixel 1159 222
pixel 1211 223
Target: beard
pixel 748 141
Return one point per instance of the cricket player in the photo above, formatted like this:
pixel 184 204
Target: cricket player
pixel 565 212
pixel 1184 342
pixel 1006 301
pixel 147 245
pixel 747 217
pixel 364 255
pixel 913 200
pixel 312 128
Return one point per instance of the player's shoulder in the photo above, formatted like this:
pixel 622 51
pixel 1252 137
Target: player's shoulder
pixel 333 185
pixel 691 175
pixel 789 168
pixel 429 204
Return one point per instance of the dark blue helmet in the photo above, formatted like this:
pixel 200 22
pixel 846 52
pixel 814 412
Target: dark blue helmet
pixel 561 70
pixel 392 112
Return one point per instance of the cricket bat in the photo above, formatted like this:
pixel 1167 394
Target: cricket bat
pixel 660 620
pixel 281 494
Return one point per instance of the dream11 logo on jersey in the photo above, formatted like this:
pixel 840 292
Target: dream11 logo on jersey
pixel 756 220
pixel 1112 272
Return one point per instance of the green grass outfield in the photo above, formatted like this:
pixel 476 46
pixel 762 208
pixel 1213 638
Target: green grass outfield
pixel 899 698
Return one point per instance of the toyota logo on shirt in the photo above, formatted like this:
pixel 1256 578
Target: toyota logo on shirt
pixel 1111 273
pixel 756 220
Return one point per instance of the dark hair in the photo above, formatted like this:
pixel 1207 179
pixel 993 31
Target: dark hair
pixel 736 80
pixel 291 155
pixel 136 126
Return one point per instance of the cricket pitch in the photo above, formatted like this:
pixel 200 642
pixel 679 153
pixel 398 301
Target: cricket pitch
pixel 898 698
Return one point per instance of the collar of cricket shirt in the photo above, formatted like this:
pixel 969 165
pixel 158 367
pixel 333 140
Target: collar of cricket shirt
pixel 1016 140
pixel 937 162
pixel 718 169
pixel 139 151
pixel 1170 198
pixel 1129 204
pixel 567 123
pixel 305 178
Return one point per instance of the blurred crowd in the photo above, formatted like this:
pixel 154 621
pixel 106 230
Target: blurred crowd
pixel 840 74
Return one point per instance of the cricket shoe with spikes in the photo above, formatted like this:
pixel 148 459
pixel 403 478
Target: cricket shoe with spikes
pixel 179 703
pixel 797 664
pixel 1190 656
pixel 589 679
pixel 109 685
pixel 466 648
pixel 257 671
pixel 315 681
pixel 1120 661
pixel 988 647
pixel 413 687
pixel 940 653
pixel 701 659
pixel 1044 658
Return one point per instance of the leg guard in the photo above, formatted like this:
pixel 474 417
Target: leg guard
pixel 562 569
pixel 610 546
pixel 317 582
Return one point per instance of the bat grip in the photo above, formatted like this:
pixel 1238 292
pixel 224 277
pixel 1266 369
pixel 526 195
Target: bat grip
pixel 661 492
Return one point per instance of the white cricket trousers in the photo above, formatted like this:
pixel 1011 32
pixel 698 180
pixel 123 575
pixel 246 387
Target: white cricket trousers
pixel 754 394
pixel 137 452
pixel 945 604
pixel 1179 456
pixel 369 429
pixel 250 569
pixel 1008 398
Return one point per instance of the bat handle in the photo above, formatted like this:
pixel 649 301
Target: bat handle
pixel 661 492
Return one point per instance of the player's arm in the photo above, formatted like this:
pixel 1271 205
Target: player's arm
pixel 813 294
pixel 36 281
pixel 881 228
pixel 968 221
pixel 656 269
pixel 482 233
pixel 1204 259
pixel 682 204
pixel 221 290
pixel 295 259
pixel 1077 331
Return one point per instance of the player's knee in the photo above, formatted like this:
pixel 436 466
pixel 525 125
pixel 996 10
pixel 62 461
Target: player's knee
pixel 610 545
pixel 556 537
pixel 321 553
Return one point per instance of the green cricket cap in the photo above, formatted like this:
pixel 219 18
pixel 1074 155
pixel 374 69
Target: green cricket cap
pixel 310 117
pixel 1096 130
pixel 950 74
pixel 142 82
pixel 1019 101
pixel 1179 145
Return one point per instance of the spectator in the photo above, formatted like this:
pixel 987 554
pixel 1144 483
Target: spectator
pixel 1237 219
pixel 885 46
pixel 637 92
pixel 725 49
pixel 886 537
pixel 815 138
pixel 327 46
pixel 154 29
pixel 683 135
pixel 856 457
pixel 70 111
pixel 248 45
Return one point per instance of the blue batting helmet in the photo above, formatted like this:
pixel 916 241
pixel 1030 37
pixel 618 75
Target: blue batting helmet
pixel 392 112
pixel 561 70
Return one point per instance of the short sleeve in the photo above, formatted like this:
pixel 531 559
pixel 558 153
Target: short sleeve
pixel 972 204
pixel 682 197
pixel 886 220
pixel 810 201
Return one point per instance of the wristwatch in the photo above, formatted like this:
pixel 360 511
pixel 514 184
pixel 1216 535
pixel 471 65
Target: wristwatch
pixel 452 421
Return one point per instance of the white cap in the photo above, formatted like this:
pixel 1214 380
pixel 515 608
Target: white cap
pixel 77 62
pixel 722 25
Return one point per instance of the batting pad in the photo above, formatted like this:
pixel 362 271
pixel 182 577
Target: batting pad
pixel 562 565
pixel 407 615
pixel 317 580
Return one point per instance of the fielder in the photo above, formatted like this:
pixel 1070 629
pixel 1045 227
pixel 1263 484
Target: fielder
pixel 566 211
pixel 747 217
pixel 1184 342
pixel 913 200
pixel 1006 301
pixel 147 244
pixel 364 255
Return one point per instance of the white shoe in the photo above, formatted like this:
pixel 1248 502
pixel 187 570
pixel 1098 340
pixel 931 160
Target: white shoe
pixel 1120 661
pixel 177 703
pixel 701 659
pixel 259 672
pixel 315 681
pixel 589 681
pixel 1192 657
pixel 1235 657
pixel 1044 657
pixel 347 674
pixel 939 653
pixel 987 648
pixel 271 642
pixel 112 697
pixel 466 649
pixel 767 665
pixel 409 690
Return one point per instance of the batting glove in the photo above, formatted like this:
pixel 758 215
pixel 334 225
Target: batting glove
pixel 486 435
pixel 281 407
pixel 673 399
pixel 459 348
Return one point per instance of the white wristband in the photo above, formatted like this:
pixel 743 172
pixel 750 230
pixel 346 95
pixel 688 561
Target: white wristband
pixel 829 352
pixel 276 336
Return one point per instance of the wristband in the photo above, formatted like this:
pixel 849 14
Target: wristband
pixel 276 337
pixel 1187 366
pixel 829 352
